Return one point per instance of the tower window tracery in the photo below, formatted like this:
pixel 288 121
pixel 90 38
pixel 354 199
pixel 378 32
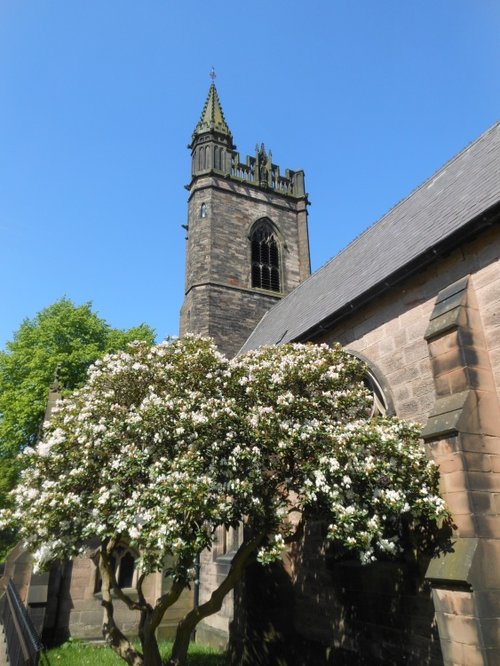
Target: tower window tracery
pixel 265 257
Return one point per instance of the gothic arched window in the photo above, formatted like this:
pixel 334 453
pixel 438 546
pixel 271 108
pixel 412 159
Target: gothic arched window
pixel 382 404
pixel 123 564
pixel 265 257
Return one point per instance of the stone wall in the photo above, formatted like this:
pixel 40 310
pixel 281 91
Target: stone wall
pixel 388 616
pixel 390 331
pixel 64 601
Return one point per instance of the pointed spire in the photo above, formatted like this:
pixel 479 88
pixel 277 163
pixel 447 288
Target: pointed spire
pixel 212 117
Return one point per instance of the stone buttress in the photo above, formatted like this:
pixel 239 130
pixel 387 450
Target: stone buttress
pixel 463 436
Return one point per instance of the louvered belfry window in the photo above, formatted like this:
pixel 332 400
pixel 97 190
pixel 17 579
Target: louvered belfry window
pixel 265 258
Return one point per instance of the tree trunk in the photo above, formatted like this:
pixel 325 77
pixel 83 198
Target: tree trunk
pixel 181 646
pixel 214 604
pixel 118 641
pixel 150 650
pixel 113 636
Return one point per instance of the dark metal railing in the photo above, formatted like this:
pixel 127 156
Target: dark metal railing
pixel 23 643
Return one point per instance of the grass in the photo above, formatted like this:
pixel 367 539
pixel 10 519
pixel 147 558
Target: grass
pixel 78 653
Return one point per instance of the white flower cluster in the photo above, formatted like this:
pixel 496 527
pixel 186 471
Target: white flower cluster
pixel 165 444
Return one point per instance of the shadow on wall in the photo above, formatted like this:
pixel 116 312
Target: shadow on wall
pixel 59 606
pixel 261 633
pixel 324 611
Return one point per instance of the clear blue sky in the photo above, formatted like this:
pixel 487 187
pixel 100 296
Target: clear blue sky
pixel 98 100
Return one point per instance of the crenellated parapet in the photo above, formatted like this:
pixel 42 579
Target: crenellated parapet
pixel 261 171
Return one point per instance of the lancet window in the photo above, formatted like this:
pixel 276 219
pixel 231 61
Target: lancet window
pixel 218 158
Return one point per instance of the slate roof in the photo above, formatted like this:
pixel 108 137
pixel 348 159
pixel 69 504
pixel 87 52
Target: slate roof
pixel 400 242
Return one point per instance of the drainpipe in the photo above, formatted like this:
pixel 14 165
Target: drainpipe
pixel 196 595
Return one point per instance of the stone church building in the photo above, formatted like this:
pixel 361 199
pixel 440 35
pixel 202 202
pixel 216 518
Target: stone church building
pixel 417 297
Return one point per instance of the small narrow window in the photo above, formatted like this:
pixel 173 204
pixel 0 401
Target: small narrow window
pixel 126 570
pixel 265 258
pixel 203 210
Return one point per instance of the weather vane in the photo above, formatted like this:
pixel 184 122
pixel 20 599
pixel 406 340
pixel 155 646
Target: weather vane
pixel 213 75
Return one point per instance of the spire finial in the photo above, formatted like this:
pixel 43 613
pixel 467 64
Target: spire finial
pixel 212 74
pixel 212 117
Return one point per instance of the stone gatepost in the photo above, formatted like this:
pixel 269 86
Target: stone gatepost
pixel 463 437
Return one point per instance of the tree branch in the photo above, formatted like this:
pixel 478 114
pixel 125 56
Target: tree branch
pixel 105 560
pixel 140 593
pixel 165 601
pixel 296 535
pixel 214 604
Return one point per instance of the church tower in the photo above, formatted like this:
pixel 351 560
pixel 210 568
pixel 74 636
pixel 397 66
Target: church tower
pixel 247 238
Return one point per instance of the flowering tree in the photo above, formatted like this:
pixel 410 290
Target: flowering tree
pixel 164 445
pixel 65 336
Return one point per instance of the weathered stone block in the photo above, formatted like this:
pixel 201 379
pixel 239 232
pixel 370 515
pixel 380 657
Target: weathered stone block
pixel 457 602
pixel 439 448
pixel 483 502
pixel 481 444
pixel 484 481
pixel 450 463
pixel 466 525
pixel 459 503
pixel 489 564
pixel 454 566
pixel 466 628
pixel 488 526
pixel 473 655
pixel 491 632
pixel 477 462
pixel 453 482
pixel 487 603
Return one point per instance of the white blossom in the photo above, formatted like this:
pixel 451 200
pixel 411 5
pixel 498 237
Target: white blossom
pixel 165 444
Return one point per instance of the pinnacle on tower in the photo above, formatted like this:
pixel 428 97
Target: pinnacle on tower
pixel 212 117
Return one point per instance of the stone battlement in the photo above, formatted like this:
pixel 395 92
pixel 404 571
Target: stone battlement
pixel 262 172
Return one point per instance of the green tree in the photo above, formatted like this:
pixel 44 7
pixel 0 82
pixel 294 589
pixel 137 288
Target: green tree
pixel 164 445
pixel 63 336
